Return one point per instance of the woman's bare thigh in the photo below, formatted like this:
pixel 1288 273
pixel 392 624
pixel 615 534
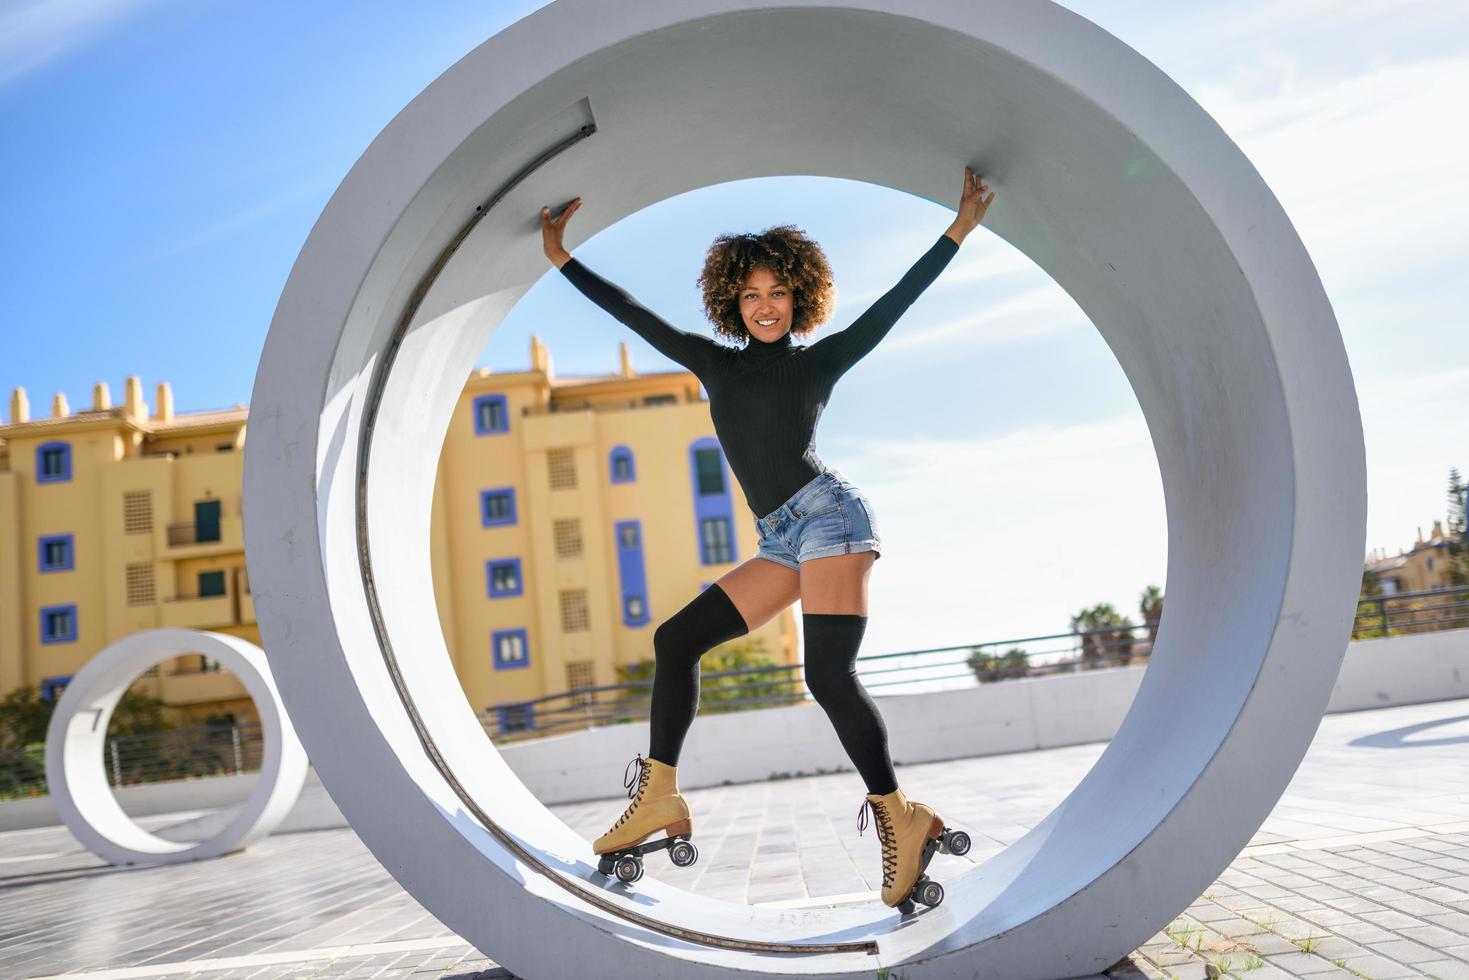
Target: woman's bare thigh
pixel 837 584
pixel 760 588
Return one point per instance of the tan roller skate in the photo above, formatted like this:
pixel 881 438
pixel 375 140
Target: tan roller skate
pixel 910 834
pixel 656 805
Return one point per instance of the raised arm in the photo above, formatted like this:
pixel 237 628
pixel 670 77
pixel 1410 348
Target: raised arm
pixel 839 351
pixel 693 351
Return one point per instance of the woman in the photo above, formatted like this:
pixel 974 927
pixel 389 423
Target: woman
pixel 818 540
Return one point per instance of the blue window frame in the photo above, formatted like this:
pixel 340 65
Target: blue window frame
pixel 502 577
pixel 713 504
pixel 620 463
pixel 491 415
pixel 55 553
pixel 497 506
pixel 59 624
pixel 51 687
pixel 517 717
pixel 631 575
pixel 53 462
pixel 511 649
pixel 715 545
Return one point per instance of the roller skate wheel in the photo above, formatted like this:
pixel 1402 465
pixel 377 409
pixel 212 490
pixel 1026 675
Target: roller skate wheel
pixel 958 842
pixel 906 906
pixel 604 865
pixel 930 893
pixel 629 869
pixel 683 854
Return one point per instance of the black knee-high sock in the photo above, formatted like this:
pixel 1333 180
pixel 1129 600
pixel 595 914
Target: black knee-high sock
pixel 708 620
pixel 831 675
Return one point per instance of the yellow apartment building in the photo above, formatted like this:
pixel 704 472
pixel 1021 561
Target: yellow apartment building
pixel 571 516
pixel 1424 567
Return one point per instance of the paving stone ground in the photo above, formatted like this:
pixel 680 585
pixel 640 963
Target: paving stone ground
pixel 1362 870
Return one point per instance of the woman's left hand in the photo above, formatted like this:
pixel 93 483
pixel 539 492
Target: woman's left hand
pixel 972 205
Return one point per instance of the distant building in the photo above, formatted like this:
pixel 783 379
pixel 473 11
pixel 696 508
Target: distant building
pixel 1423 568
pixel 571 516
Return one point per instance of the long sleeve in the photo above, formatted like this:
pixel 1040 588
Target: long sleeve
pixel 693 351
pixel 839 351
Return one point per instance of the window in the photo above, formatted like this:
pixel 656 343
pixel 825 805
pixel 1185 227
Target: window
pixel 579 673
pixel 225 447
pixel 53 462
pixel 710 465
pixel 566 532
pixel 517 717
pixel 211 584
pixel 635 609
pixel 660 400
pixel 561 468
pixel 141 590
pixel 714 540
pixel 51 687
pixel 504 577
pixel 206 521
pixel 497 506
pixel 491 415
pixel 510 648
pixel 622 466
pixel 137 512
pixel 575 615
pixel 59 624
pixel 56 553
pixel 627 535
pixel 632 578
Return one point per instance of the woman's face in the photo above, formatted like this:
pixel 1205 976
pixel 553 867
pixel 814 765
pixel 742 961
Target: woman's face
pixel 766 305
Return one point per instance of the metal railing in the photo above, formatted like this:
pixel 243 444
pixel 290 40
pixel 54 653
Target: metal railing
pixel 129 760
pixel 223 750
pixel 586 405
pixel 936 668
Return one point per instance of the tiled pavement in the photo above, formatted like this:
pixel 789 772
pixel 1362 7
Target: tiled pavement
pixel 1361 870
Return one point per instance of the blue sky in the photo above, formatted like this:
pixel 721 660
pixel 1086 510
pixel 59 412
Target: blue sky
pixel 164 160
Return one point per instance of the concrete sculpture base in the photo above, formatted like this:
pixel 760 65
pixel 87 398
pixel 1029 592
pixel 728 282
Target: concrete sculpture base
pixel 1109 177
pixel 78 729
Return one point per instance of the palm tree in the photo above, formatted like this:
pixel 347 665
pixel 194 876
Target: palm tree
pixel 1150 605
pixel 1101 646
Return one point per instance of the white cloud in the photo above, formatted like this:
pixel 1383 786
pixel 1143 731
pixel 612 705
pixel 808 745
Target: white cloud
pixel 34 32
pixel 1007 536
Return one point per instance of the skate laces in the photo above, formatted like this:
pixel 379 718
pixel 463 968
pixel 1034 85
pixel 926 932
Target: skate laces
pixel 885 834
pixel 634 792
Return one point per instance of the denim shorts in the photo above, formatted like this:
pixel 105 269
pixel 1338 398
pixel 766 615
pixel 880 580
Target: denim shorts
pixel 826 517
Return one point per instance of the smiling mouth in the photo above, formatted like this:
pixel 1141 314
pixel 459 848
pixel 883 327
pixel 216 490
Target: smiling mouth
pixel 768 323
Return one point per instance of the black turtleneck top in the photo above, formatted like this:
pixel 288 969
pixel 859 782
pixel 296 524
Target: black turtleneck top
pixel 766 398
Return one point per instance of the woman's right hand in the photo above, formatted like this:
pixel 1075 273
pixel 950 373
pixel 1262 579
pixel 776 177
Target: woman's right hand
pixel 552 230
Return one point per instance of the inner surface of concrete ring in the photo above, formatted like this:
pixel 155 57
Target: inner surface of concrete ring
pixel 1109 177
pixel 78 730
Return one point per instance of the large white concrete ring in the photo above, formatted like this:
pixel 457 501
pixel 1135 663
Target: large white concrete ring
pixel 78 730
pixel 1109 177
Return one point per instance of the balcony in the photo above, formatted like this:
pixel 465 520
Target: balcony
pixel 199 612
pixel 182 539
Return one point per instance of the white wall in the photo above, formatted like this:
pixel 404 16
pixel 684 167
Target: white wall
pixel 749 746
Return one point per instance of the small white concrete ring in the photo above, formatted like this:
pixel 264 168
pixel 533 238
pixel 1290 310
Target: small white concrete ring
pixel 78 729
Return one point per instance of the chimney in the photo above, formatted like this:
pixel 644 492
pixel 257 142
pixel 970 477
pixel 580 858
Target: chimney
pixel 101 397
pixel 1420 534
pixel 1438 530
pixel 163 409
pixel 20 406
pixel 624 360
pixel 132 398
pixel 59 408
pixel 540 357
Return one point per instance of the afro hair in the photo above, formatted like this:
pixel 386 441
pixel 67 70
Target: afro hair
pixel 789 255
